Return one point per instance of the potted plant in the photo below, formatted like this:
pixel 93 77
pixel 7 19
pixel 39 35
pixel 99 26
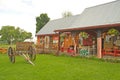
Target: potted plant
pixel 84 35
pixel 113 32
pixel 62 37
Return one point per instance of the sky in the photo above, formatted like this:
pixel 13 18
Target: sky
pixel 23 13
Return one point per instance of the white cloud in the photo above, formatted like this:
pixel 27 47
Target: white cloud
pixel 55 8
pixel 15 5
pixel 17 13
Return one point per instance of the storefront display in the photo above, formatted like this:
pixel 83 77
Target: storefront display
pixel 87 44
pixel 111 43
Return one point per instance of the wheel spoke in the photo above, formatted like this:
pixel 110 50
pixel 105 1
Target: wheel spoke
pixel 31 53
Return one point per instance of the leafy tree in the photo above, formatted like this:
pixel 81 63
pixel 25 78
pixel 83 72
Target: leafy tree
pixel 7 33
pixel 66 14
pixel 41 21
pixel 12 34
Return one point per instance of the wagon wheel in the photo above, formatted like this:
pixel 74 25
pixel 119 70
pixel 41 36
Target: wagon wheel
pixel 32 53
pixel 11 55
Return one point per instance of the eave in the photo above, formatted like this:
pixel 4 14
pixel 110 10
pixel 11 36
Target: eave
pixel 46 34
pixel 89 27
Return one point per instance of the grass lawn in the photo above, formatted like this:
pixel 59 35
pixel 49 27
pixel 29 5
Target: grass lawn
pixel 49 67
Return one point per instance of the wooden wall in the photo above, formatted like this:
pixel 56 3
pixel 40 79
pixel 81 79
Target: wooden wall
pixel 52 44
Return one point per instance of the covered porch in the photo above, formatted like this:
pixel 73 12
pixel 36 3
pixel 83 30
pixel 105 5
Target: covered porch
pixel 79 42
pixel 111 42
pixel 97 42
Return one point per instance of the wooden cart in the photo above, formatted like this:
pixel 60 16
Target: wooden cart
pixel 25 49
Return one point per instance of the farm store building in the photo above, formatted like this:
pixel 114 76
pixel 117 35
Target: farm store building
pixel 94 32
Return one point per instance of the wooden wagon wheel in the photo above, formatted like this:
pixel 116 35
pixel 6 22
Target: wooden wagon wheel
pixel 11 55
pixel 32 53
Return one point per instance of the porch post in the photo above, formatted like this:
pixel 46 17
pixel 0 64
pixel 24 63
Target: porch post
pixel 99 44
pixel 58 49
pixel 44 44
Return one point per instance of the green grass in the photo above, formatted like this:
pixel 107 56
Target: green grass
pixel 49 67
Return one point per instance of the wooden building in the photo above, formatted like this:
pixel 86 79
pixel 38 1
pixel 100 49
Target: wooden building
pixel 48 31
pixel 94 32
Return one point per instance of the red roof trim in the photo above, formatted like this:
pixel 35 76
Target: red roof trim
pixel 89 27
pixel 46 34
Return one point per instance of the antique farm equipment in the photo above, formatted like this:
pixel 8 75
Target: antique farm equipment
pixel 3 50
pixel 25 49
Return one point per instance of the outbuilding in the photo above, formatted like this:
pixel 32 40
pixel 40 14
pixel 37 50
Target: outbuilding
pixel 94 32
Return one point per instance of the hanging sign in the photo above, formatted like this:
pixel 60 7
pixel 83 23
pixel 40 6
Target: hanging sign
pixel 55 39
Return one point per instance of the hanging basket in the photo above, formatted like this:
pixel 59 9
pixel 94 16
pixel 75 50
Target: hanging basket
pixel 84 35
pixel 62 37
pixel 113 32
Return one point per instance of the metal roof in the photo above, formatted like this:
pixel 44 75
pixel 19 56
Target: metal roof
pixel 104 14
pixel 108 13
pixel 57 24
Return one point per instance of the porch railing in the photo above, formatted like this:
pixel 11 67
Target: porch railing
pixel 112 52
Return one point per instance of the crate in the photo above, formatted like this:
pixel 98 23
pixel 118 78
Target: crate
pixel 108 45
pixel 3 50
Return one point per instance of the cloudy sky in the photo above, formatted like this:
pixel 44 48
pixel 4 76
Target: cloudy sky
pixel 22 13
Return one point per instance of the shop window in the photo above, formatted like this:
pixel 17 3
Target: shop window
pixel 41 40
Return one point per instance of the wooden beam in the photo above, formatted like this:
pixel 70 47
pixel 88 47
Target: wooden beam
pixel 28 59
pixel 57 53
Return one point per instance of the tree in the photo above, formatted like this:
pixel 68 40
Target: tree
pixel 7 33
pixel 41 21
pixel 22 35
pixel 12 34
pixel 66 14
